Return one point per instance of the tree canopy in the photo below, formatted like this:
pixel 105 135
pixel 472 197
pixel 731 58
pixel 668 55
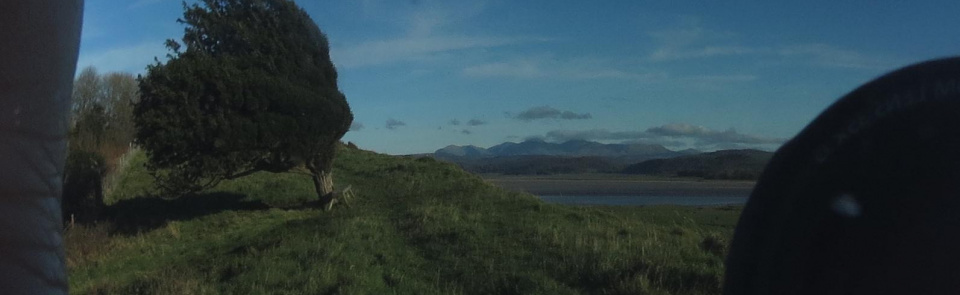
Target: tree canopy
pixel 249 88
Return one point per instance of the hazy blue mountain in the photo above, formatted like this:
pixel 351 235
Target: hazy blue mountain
pixel 541 157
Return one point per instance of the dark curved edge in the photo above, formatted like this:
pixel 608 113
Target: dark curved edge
pixel 38 56
pixel 760 222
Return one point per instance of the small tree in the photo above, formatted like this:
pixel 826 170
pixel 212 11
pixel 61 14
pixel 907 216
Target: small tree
pixel 252 90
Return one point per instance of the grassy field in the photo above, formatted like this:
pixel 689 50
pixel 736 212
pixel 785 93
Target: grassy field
pixel 417 226
pixel 618 185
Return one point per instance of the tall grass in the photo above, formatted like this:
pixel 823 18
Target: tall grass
pixel 417 226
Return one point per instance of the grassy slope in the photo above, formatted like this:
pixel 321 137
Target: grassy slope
pixel 417 226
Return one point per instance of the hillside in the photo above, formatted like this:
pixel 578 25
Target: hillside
pixel 726 164
pixel 418 226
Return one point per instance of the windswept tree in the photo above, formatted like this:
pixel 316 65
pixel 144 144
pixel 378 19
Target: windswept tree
pixel 250 88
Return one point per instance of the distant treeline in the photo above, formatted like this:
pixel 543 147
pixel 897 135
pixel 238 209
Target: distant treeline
pixel 726 164
pixel 101 131
pixel 540 165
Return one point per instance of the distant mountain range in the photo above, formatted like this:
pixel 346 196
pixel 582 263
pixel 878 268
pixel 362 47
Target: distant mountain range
pixel 573 148
pixel 540 157
pixel 581 156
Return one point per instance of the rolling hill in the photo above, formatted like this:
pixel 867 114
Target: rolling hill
pixel 416 226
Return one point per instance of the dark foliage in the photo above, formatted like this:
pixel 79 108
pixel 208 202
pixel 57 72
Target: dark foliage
pixel 251 88
pixel 83 186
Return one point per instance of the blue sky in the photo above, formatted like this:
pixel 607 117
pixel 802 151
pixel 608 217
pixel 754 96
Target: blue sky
pixel 420 75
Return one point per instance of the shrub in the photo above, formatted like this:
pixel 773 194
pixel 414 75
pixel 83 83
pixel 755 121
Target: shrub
pixel 83 185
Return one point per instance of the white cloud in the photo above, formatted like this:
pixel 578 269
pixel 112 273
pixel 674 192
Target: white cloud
pixel 132 58
pixel 691 41
pixel 545 67
pixel 720 78
pixel 519 69
pixel 429 32
pixel 426 22
pixel 382 52
pixel 706 136
pixel 672 53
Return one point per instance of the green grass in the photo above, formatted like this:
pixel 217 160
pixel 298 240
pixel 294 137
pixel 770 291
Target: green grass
pixel 415 227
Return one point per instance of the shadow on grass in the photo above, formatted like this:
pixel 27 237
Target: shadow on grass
pixel 136 215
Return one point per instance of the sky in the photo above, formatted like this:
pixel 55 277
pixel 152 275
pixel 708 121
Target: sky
pixel 420 74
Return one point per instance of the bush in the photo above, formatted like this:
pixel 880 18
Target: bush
pixel 83 186
pixel 715 244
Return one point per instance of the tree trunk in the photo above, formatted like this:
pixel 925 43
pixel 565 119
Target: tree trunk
pixel 323 184
pixel 322 169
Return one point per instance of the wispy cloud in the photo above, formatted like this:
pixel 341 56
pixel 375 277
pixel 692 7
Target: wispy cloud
pixel 132 58
pixel 548 112
pixel 429 32
pixel 595 134
pixel 670 53
pixel 572 69
pixel 476 122
pixel 384 52
pixel 691 41
pixel 502 69
pixel 721 78
pixel 356 126
pixel 393 124
pixel 679 130
pixel 454 122
pixel 706 136
pixel 832 56
pixel 466 132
